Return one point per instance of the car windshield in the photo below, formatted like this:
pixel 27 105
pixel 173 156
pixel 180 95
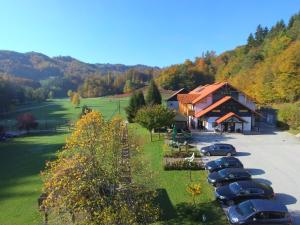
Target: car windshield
pixel 235 188
pixel 223 173
pixel 219 161
pixel 246 208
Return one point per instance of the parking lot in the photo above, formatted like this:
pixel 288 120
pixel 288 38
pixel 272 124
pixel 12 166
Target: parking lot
pixel 272 157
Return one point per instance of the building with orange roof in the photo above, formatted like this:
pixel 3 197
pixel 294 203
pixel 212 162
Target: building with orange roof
pixel 218 106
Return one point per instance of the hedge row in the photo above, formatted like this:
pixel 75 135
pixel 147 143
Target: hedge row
pixel 183 165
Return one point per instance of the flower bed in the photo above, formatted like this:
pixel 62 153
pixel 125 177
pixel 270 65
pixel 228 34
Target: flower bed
pixel 183 165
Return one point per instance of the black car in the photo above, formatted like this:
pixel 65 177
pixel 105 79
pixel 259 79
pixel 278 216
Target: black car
pixel 228 175
pixel 258 212
pixel 243 190
pixel 222 163
pixel 218 149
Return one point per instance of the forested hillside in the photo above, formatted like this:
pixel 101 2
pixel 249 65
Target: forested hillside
pixel 37 66
pixel 27 77
pixel 267 67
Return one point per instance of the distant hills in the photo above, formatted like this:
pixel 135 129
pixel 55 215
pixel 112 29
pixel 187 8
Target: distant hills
pixel 37 66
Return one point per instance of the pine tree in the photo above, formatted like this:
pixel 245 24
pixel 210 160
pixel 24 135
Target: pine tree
pixel 251 41
pixel 140 99
pixel 136 102
pixel 153 95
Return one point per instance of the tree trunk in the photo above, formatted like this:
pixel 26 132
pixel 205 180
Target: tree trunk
pixel 151 135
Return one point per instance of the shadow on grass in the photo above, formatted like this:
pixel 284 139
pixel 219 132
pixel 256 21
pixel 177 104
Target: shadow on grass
pixel 186 213
pixel 20 159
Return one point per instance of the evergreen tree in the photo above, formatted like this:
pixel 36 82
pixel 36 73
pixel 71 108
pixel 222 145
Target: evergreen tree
pixel 140 99
pixel 251 41
pixel 136 102
pixel 153 95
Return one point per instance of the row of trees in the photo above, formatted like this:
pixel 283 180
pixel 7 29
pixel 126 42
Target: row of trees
pixel 189 74
pixel 149 113
pixel 14 91
pixel 267 67
pixel 84 185
pixel 137 100
pixel 95 86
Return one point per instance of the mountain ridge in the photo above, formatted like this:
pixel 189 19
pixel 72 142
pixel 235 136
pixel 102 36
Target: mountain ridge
pixel 38 66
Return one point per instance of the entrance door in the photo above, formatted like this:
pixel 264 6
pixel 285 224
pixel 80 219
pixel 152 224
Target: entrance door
pixel 231 127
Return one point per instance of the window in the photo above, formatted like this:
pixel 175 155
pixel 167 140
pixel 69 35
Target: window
pixel 216 110
pixel 276 215
pixel 243 110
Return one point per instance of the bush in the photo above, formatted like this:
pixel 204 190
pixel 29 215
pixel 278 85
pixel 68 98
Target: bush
pixel 289 116
pixel 183 165
pixel 181 154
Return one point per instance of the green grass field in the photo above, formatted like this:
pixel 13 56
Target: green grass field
pixel 22 159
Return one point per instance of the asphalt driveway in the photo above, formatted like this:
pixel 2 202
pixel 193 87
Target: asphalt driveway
pixel 272 157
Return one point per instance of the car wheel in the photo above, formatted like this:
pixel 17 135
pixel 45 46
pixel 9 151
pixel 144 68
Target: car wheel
pixel 229 202
pixel 229 154
pixel 208 154
pixel 218 184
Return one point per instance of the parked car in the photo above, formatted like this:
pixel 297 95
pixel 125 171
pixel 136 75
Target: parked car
pixel 218 149
pixel 2 138
pixel 243 190
pixel 259 212
pixel 222 163
pixel 228 175
pixel 9 135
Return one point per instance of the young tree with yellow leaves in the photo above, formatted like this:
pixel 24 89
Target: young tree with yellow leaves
pixel 84 185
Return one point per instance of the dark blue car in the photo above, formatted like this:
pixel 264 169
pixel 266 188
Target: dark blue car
pixel 243 190
pixel 222 163
pixel 259 212
pixel 218 149
pixel 229 175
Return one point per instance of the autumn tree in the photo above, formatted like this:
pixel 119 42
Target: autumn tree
pixel 194 190
pixel 75 99
pixel 128 87
pixel 153 94
pixel 84 185
pixel 154 117
pixel 26 122
pixel 136 102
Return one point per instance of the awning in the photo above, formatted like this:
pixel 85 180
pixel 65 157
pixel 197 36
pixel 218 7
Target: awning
pixel 228 116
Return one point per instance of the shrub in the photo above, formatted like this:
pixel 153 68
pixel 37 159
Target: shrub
pixel 181 154
pixel 183 165
pixel 289 116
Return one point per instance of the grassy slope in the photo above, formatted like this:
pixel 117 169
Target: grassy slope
pixel 23 158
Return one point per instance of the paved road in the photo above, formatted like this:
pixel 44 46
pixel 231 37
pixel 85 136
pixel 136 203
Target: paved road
pixel 272 157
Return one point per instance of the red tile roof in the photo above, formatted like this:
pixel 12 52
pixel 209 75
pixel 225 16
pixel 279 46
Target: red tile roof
pixel 206 90
pixel 214 105
pixel 186 98
pixel 227 116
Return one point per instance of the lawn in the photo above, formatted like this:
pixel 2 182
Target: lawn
pixel 22 159
pixel 173 197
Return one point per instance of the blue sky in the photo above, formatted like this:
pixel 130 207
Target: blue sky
pixel 151 32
